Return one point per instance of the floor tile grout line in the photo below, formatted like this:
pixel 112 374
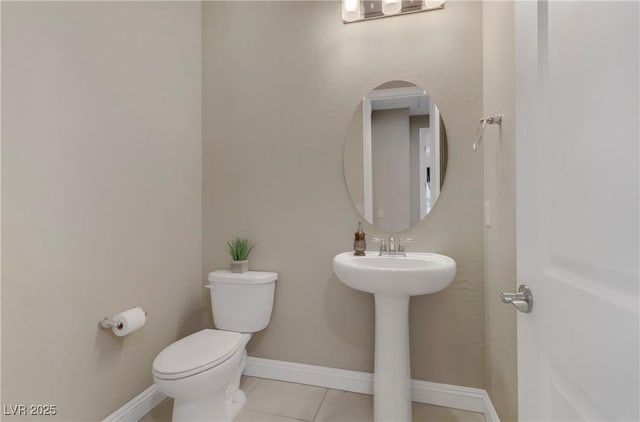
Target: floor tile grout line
pixel 326 391
pixel 248 406
pixel 292 417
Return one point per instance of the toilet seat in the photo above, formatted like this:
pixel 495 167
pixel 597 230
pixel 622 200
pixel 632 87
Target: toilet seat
pixel 196 353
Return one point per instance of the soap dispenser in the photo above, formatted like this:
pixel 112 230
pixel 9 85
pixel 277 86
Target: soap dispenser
pixel 359 244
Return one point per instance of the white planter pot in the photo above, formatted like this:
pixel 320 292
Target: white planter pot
pixel 240 266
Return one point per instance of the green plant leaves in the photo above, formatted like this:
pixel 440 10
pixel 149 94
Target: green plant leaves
pixel 239 248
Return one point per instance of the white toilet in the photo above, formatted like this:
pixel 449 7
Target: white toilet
pixel 202 371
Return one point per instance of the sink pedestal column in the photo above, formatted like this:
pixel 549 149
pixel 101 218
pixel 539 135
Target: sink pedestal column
pixel 392 378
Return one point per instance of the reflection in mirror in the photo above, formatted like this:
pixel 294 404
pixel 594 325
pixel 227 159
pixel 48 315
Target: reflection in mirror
pixel 395 156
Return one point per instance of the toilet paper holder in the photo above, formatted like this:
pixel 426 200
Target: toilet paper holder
pixel 105 323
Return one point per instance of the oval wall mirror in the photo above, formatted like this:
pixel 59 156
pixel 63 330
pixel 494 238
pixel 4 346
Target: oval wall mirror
pixel 395 156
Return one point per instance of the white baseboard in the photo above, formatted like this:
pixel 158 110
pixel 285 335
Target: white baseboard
pixel 321 376
pixel 138 406
pixel 490 414
pixel 453 396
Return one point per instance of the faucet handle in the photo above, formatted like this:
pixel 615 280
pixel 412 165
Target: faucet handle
pixel 383 245
pixel 401 243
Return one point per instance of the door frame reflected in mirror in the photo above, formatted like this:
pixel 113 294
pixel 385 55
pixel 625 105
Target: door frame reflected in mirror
pixel 386 99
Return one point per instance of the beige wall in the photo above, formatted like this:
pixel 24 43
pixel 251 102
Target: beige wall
pixel 101 196
pixel 278 177
pixel 499 188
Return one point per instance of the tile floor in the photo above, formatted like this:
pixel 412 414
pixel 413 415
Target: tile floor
pixel 277 401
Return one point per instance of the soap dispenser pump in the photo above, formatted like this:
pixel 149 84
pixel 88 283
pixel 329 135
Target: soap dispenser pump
pixel 359 244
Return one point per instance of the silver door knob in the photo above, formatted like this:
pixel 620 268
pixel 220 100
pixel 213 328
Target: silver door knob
pixel 522 300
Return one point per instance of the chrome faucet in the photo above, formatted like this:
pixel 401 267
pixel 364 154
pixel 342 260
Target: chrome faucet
pixel 401 250
pixel 383 247
pixel 392 251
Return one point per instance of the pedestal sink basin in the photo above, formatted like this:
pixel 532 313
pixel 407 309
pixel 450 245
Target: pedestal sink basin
pixel 415 274
pixel 393 280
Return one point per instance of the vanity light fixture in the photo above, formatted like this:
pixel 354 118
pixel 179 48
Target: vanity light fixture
pixel 362 10
pixel 350 10
pixel 391 7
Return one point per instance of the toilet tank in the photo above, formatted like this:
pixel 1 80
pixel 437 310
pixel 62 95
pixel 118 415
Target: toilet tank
pixel 242 302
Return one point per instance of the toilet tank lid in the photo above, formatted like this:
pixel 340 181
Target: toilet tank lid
pixel 247 277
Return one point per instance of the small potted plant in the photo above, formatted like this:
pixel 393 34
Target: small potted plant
pixel 239 250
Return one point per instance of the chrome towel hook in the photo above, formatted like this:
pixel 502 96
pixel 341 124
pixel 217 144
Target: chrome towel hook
pixel 491 120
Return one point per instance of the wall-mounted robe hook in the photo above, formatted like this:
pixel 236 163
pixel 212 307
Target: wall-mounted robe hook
pixel 490 120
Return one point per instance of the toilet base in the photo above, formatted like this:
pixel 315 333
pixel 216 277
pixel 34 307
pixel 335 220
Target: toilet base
pixel 221 405
pixel 213 395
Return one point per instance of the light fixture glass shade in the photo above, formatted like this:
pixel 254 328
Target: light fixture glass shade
pixel 391 7
pixel 350 10
pixel 433 4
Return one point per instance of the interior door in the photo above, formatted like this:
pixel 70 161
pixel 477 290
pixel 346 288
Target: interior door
pixel 577 119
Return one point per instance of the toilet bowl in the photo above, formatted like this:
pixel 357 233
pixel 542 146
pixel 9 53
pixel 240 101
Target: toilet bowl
pixel 202 371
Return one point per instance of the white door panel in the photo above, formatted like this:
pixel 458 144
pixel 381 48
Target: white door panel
pixel 577 209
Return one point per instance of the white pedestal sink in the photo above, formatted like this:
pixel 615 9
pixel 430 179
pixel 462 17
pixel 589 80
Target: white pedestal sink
pixel 393 280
